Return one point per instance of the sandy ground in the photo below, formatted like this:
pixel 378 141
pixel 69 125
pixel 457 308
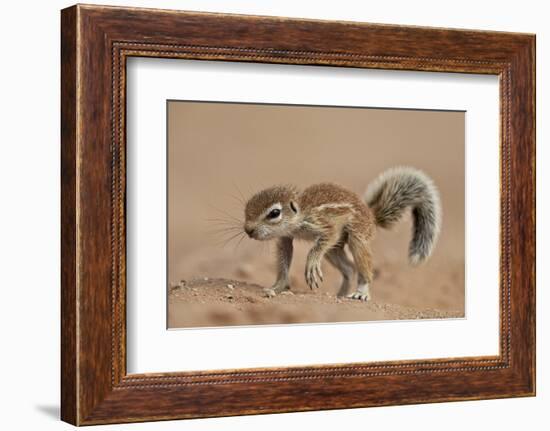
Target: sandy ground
pixel 399 291
pixel 221 154
pixel 225 302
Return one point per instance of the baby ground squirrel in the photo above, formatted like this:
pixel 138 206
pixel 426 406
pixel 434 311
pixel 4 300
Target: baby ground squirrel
pixel 331 217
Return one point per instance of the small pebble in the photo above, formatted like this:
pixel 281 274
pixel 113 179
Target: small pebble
pixel 205 278
pixel 230 286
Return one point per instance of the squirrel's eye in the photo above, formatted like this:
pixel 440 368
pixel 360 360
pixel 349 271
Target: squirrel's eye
pixel 274 213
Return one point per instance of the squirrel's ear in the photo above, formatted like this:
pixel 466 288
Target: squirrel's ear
pixel 293 206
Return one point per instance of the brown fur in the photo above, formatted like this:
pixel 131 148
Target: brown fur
pixel 327 214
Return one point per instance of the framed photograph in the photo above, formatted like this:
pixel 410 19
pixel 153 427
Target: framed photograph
pixel 220 228
pixel 264 215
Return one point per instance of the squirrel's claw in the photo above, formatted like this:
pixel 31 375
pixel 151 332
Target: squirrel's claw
pixel 319 272
pixel 314 275
pixel 362 293
pixel 360 296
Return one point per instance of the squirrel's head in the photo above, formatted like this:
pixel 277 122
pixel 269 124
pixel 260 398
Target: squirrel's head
pixel 272 213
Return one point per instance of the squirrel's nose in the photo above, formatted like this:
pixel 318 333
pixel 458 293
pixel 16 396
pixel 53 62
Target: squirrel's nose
pixel 249 231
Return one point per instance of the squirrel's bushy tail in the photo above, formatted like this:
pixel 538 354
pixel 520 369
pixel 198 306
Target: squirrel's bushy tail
pixel 399 188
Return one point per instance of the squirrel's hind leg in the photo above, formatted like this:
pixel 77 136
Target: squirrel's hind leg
pixel 337 257
pixel 360 250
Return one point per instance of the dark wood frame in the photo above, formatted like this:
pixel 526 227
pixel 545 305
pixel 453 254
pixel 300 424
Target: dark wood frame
pixel 95 43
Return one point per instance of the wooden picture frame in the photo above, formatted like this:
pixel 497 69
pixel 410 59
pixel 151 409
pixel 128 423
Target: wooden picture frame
pixel 95 43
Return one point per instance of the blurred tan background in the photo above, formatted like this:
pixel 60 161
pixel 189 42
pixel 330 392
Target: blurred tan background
pixel 220 153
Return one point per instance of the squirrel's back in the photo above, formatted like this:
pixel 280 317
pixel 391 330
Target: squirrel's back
pixel 328 194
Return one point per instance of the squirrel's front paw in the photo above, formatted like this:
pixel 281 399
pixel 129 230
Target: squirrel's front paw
pixel 314 275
